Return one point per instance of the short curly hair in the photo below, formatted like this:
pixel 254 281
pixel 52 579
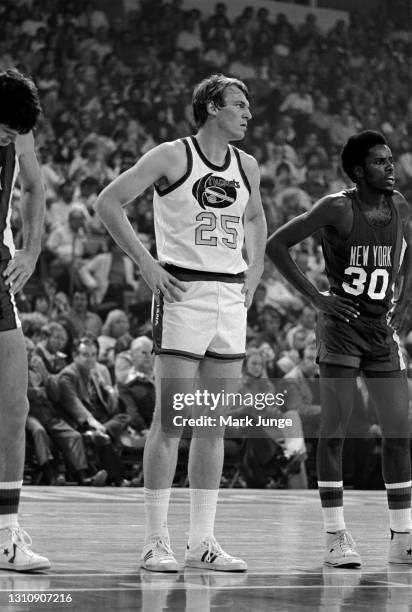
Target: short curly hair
pixel 20 104
pixel 356 149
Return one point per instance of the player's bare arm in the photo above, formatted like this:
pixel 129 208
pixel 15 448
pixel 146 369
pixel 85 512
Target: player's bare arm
pixel 403 303
pixel 32 205
pixel 333 212
pixel 255 230
pixel 167 161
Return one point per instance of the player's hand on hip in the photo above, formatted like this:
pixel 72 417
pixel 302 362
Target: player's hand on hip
pixel 161 282
pixel 337 306
pixel 252 277
pixel 19 270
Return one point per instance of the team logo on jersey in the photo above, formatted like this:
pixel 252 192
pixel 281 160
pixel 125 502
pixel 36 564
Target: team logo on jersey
pixel 215 191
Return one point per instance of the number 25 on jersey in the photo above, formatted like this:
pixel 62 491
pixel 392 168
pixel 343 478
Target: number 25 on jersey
pixel 204 231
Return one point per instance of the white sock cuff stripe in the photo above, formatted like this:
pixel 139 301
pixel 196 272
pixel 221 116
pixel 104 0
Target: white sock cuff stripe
pixel 8 520
pixel 156 493
pixel 397 485
pixel 16 484
pixel 330 484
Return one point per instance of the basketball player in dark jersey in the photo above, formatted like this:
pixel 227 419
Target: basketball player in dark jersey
pixel 19 110
pixel 365 241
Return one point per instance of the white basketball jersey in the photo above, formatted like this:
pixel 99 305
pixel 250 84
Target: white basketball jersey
pixel 199 219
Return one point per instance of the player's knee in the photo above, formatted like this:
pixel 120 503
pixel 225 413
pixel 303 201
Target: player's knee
pixel 14 407
pixel 160 434
pixel 332 445
pixel 15 423
pixel 396 446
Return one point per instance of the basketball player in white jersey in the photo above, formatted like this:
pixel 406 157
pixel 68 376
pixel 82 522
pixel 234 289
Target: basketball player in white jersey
pixel 206 207
pixel 19 110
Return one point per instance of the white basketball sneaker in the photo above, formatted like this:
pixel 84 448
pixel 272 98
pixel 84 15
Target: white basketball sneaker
pixel 400 548
pixel 15 553
pixel 341 550
pixel 210 555
pixel 157 556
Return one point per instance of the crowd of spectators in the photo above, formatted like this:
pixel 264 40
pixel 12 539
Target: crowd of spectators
pixel 115 84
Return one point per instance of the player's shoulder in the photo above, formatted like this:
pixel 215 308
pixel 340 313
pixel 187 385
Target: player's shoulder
pixel 402 205
pixel 249 166
pixel 248 161
pixel 336 203
pixel 399 200
pixel 171 147
pixel 168 152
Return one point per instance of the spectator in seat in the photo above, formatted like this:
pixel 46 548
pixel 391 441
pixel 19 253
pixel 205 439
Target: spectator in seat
pixel 54 338
pixel 67 246
pixel 272 454
pixel 81 320
pixel 136 391
pixel 45 424
pixel 108 275
pixel 90 406
pixel 115 326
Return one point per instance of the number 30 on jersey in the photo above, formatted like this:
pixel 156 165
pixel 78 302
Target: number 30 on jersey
pixel 374 285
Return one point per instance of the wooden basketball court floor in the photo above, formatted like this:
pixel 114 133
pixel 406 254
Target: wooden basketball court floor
pixel 93 539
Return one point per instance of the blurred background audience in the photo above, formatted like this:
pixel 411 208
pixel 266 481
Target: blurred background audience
pixel 116 82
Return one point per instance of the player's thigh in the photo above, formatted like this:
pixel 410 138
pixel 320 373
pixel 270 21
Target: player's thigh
pixel 185 327
pixel 211 368
pixel 13 368
pixel 229 340
pixel 220 379
pixel 337 395
pixel 174 378
pixel 389 394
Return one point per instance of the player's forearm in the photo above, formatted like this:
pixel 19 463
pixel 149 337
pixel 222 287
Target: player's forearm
pixel 279 254
pixel 32 212
pixel 255 240
pixel 114 218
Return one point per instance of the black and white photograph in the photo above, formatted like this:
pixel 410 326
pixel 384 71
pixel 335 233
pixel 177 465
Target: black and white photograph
pixel 205 305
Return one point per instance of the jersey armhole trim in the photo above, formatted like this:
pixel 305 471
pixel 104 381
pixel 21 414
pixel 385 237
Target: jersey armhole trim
pixel 241 170
pixel 189 157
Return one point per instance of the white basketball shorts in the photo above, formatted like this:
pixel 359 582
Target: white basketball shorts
pixel 208 321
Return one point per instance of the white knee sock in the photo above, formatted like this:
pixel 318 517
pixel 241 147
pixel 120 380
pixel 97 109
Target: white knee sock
pixel 156 505
pixel 202 514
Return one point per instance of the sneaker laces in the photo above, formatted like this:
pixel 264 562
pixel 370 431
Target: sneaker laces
pixel 213 547
pixel 346 542
pixel 21 538
pixel 161 547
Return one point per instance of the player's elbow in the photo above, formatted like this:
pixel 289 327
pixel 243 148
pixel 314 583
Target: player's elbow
pixel 101 205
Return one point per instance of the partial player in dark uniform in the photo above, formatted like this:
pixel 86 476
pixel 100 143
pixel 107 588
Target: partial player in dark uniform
pixel 19 111
pixel 365 242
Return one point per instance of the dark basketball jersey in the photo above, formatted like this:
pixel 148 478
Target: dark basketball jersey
pixel 365 265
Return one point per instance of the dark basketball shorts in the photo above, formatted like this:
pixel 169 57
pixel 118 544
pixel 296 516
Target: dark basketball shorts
pixel 367 343
pixel 9 318
pixel 209 320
